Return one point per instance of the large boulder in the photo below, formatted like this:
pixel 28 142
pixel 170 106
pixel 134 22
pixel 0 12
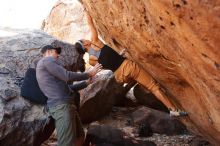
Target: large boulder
pixel 24 123
pixel 178 43
pixel 156 121
pixel 21 122
pixel 98 98
pixel 66 21
pixel 148 99
pixel 103 135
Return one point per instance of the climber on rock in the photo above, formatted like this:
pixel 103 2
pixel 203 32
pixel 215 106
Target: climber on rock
pixel 124 69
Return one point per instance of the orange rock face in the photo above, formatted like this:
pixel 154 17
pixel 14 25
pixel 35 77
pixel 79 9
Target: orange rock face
pixel 178 43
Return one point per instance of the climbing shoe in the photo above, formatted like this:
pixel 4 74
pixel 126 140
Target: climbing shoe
pixel 178 113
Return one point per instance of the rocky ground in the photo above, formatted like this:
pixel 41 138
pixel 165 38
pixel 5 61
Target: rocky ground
pixel 119 118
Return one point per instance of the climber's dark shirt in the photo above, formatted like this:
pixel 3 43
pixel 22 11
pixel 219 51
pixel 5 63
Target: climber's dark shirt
pixel 110 59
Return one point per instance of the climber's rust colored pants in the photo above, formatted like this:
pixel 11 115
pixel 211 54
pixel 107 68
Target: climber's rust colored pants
pixel 129 71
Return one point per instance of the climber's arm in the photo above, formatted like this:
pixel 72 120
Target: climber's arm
pixel 93 62
pixel 94 34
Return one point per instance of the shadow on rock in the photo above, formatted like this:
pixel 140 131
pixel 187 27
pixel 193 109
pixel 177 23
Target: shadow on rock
pixel 102 135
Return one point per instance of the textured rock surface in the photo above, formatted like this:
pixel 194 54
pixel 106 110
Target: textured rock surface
pixel 157 121
pixel 66 21
pixel 146 98
pixel 119 117
pixel 98 99
pixel 103 135
pixel 21 123
pixel 198 141
pixel 178 43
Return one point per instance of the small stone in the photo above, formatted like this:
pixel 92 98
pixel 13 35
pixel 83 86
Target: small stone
pixel 10 94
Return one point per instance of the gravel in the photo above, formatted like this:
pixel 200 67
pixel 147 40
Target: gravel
pixel 118 118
